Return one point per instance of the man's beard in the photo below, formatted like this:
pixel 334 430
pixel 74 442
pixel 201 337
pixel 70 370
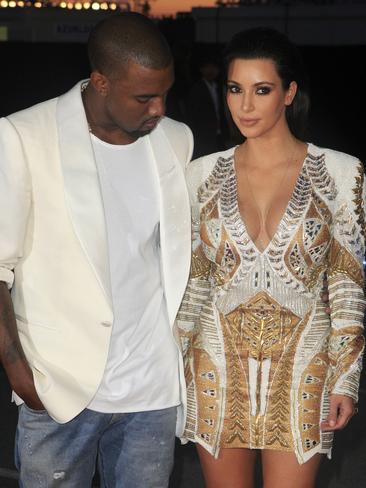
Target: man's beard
pixel 139 133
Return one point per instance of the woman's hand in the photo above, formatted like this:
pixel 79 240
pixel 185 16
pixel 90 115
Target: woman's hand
pixel 342 409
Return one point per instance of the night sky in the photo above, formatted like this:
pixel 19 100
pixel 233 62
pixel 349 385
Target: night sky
pixel 170 7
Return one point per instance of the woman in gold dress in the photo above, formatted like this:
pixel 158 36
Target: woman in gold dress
pixel 266 367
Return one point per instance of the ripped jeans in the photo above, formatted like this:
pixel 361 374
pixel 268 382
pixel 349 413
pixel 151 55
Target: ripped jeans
pixel 132 450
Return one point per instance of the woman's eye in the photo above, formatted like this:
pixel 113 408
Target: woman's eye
pixel 263 90
pixel 233 89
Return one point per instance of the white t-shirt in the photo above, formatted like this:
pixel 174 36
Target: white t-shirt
pixel 142 368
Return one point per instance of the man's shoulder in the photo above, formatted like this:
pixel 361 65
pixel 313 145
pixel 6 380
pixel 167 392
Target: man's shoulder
pixel 33 112
pixel 173 127
pixel 178 136
pixel 38 112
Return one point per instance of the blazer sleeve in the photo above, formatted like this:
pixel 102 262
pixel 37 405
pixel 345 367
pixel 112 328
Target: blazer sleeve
pixel 15 200
pixel 346 283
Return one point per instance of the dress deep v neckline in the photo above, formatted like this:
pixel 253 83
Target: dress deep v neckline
pixel 283 214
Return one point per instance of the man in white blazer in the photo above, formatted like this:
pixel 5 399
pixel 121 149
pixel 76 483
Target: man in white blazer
pixel 95 251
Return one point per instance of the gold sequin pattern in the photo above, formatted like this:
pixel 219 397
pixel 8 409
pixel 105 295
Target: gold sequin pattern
pixel 358 200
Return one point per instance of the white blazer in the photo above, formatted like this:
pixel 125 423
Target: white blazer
pixel 53 247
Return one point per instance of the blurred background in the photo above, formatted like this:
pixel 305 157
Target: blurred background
pixel 43 53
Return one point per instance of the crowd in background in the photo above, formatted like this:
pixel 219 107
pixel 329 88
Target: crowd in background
pixel 197 98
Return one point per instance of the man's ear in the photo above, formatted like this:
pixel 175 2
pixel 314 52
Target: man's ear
pixel 99 82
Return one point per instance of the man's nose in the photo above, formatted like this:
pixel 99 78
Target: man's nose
pixel 157 107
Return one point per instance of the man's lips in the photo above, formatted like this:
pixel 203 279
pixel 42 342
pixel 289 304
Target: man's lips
pixel 151 123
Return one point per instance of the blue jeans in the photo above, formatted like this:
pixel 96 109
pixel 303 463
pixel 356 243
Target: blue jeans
pixel 132 450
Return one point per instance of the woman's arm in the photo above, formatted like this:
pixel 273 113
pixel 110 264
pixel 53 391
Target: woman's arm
pixel 198 287
pixel 347 299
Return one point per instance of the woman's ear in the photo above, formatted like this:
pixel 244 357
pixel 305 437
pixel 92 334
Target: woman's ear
pixel 291 92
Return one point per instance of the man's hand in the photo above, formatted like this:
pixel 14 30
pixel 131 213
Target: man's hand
pixel 12 356
pixel 342 409
pixel 25 389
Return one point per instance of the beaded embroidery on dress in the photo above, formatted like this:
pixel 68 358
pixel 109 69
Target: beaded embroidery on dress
pixel 261 354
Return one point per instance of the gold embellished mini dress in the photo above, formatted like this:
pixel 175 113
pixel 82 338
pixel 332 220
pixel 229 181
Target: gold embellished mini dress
pixel 261 354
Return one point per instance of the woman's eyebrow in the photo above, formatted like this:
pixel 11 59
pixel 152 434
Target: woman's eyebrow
pixel 264 82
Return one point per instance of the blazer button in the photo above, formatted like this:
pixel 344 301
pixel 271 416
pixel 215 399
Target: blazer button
pixel 106 324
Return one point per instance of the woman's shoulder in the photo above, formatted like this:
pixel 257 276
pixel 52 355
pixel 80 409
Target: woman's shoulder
pixel 211 158
pixel 345 170
pixel 199 169
pixel 336 161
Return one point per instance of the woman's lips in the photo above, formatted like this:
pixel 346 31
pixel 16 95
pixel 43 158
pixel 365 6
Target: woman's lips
pixel 248 122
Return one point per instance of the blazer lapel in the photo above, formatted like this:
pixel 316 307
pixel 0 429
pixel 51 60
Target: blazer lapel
pixel 174 221
pixel 82 188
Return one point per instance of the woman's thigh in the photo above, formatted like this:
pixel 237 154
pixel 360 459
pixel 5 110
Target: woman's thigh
pixel 282 470
pixel 234 468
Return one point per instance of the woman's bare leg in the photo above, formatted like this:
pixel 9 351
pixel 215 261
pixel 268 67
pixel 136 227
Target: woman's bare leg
pixel 234 468
pixel 282 470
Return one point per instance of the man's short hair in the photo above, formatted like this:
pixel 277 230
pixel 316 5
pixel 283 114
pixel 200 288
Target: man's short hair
pixel 126 37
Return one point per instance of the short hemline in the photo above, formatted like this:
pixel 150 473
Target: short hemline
pixel 215 452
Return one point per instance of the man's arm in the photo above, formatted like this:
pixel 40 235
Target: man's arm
pixel 15 203
pixel 12 355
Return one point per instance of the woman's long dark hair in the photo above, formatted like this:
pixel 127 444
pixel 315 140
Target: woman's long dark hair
pixel 268 43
